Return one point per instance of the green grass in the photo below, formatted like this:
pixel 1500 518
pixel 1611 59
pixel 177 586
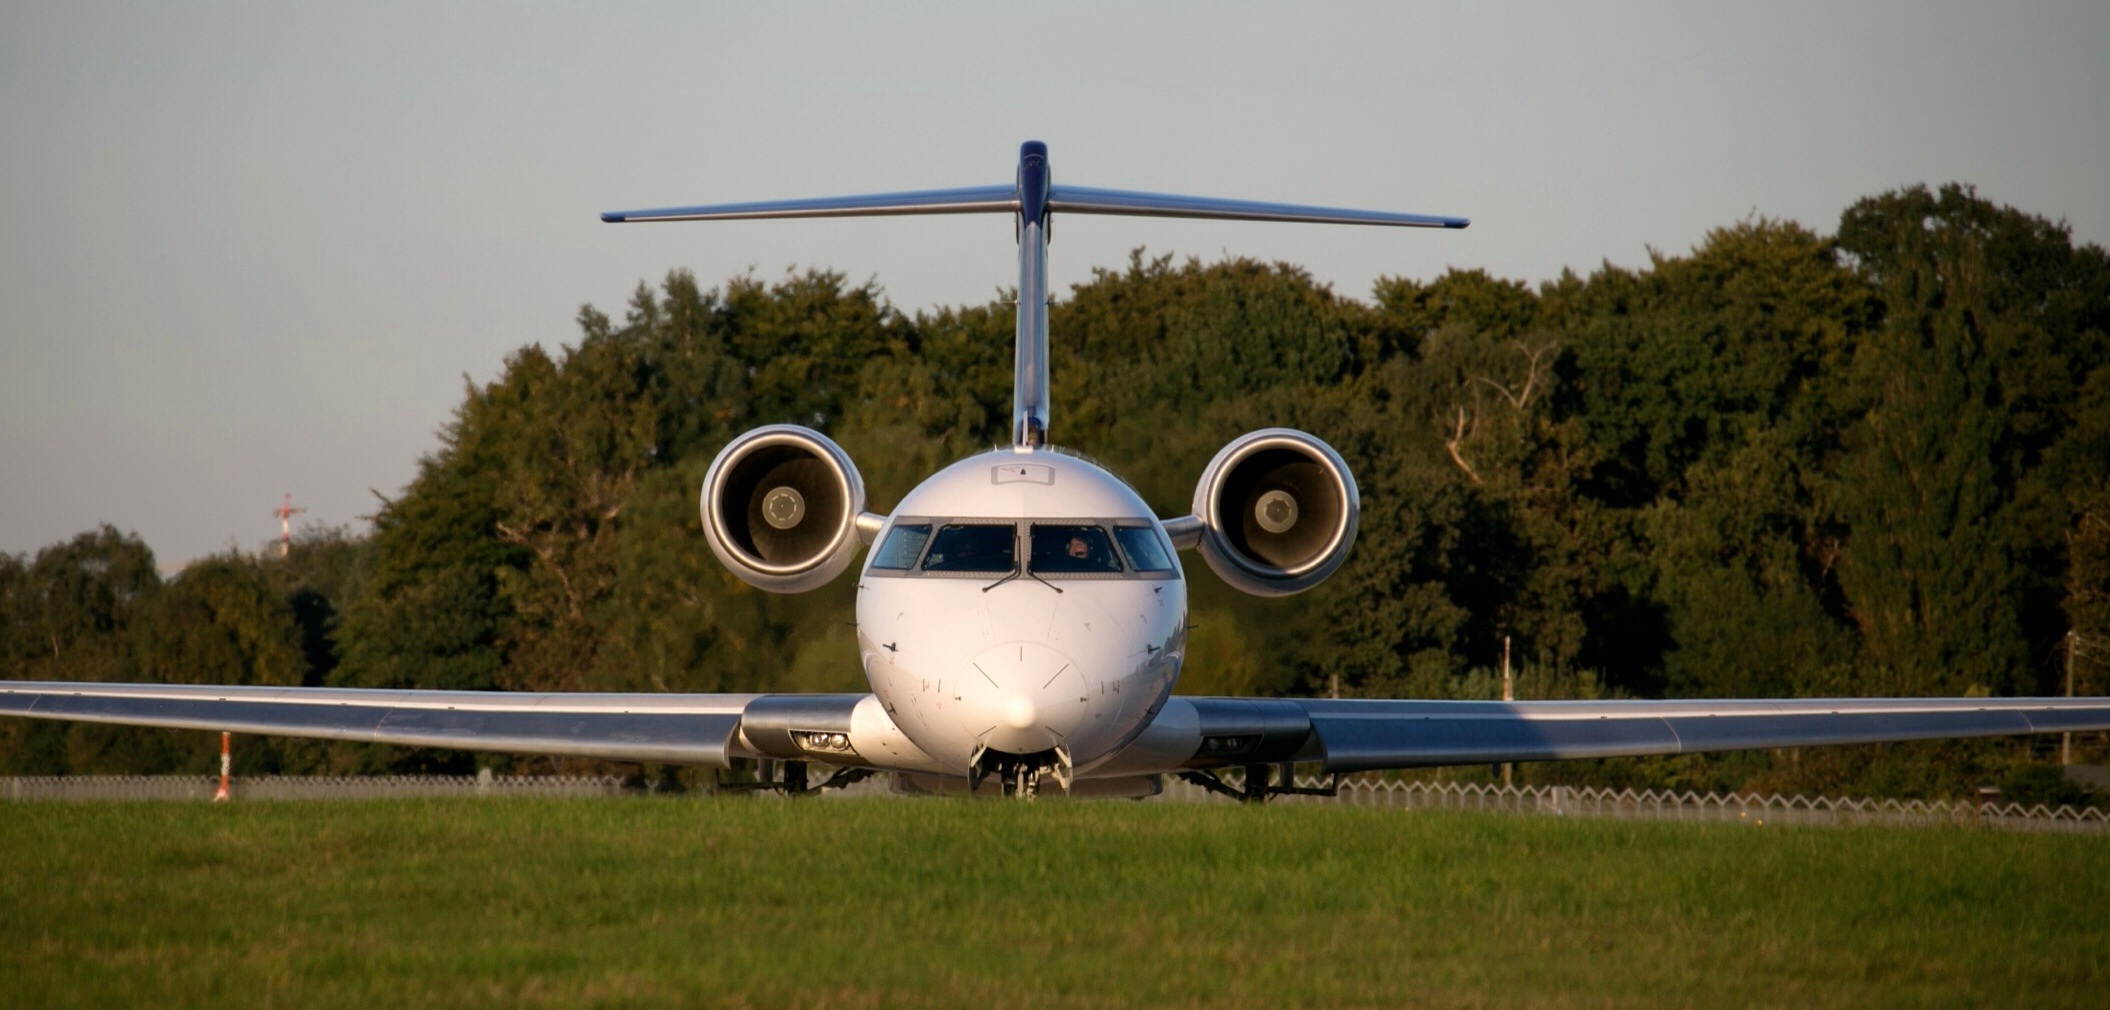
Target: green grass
pixel 943 903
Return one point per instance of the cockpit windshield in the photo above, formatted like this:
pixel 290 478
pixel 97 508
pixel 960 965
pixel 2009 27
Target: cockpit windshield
pixel 1072 547
pixel 903 546
pixel 1144 548
pixel 1070 550
pixel 964 547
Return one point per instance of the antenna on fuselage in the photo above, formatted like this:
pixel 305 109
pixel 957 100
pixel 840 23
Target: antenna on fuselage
pixel 1032 198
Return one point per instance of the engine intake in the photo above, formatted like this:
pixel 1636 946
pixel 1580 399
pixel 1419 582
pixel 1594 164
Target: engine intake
pixel 1278 511
pixel 780 508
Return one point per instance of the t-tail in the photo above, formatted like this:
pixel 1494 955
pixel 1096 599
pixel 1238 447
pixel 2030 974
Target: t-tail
pixel 1033 197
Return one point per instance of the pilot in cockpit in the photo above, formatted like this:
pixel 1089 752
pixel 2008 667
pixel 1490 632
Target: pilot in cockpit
pixel 1073 550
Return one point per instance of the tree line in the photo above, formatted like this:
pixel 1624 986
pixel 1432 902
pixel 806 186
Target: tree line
pixel 1874 462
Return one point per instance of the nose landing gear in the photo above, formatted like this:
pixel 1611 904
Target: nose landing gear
pixel 1019 775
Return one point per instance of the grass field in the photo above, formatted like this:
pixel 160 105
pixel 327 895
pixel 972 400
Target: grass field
pixel 941 903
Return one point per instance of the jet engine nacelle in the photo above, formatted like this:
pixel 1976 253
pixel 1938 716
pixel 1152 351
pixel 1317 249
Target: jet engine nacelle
pixel 1277 511
pixel 781 506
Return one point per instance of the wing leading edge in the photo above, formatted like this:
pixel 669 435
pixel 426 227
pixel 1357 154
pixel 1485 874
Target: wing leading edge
pixel 1365 735
pixel 692 729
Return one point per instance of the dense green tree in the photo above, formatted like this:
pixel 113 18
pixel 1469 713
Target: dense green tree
pixel 76 603
pixel 69 616
pixel 1701 385
pixel 320 575
pixel 431 615
pixel 219 621
pixel 94 608
pixel 1992 325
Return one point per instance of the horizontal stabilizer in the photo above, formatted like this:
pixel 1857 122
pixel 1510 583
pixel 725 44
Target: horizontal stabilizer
pixel 971 200
pixel 1084 200
pixel 1061 199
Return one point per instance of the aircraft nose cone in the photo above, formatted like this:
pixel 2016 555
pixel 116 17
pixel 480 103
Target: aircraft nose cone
pixel 1022 697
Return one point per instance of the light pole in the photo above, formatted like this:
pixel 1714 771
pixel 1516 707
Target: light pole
pixel 285 514
pixel 1509 693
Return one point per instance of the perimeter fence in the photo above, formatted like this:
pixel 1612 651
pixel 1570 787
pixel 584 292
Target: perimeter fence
pixel 301 787
pixel 1666 805
pixel 1558 801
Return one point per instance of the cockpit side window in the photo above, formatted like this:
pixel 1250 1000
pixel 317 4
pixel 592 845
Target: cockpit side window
pixel 1073 550
pixel 903 546
pixel 1144 548
pixel 973 547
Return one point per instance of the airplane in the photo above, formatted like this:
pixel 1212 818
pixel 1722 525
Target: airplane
pixel 1022 613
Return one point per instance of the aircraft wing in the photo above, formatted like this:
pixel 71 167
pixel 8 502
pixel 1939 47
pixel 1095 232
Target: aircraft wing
pixel 692 729
pixel 1362 735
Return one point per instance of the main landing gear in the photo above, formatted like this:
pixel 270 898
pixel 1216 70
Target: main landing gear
pixel 791 779
pixel 1261 782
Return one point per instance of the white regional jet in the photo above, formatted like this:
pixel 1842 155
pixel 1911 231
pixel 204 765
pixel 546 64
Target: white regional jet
pixel 1024 615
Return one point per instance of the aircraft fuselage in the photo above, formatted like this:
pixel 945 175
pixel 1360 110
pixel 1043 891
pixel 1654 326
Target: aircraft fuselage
pixel 1022 603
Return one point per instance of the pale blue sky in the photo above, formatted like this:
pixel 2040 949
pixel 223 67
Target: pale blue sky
pixel 253 248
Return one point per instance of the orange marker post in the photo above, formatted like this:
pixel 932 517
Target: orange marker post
pixel 226 763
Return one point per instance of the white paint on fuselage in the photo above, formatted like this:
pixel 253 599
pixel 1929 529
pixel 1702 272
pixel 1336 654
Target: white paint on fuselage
pixel 1021 668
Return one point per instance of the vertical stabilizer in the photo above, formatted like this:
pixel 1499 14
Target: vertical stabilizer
pixel 1029 381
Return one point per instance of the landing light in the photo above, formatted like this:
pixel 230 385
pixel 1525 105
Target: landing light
pixel 824 741
pixel 1224 745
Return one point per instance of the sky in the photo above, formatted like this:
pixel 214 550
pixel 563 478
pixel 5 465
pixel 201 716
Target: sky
pixel 252 249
